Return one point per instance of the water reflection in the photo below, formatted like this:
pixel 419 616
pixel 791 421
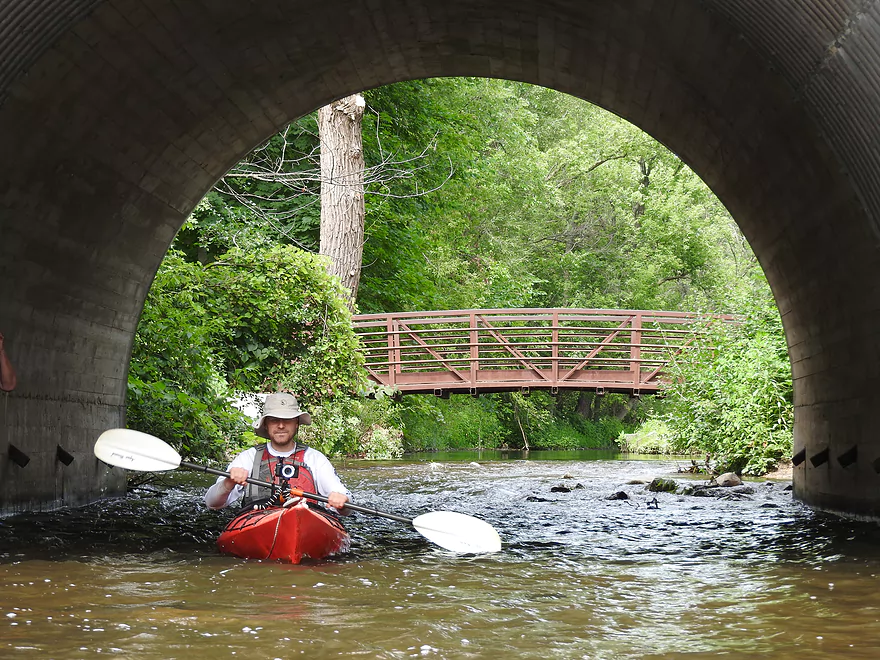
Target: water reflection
pixel 579 576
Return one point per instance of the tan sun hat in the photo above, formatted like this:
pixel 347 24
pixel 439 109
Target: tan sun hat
pixel 283 406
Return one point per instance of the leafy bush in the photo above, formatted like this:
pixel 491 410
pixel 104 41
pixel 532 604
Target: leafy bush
pixel 560 434
pixel 366 428
pixel 382 443
pixel 200 426
pixel 259 320
pixel 176 390
pixel 732 396
pixel 457 423
pixel 492 421
pixel 285 325
pixel 652 437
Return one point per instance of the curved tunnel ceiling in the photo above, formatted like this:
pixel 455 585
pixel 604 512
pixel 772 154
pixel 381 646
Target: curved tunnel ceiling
pixel 117 116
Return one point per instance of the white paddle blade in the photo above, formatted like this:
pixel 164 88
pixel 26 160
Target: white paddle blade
pixel 458 532
pixel 134 450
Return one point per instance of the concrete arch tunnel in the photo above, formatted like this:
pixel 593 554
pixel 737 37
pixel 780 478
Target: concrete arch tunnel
pixel 116 116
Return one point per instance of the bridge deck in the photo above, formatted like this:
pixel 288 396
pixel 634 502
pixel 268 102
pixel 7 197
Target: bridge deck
pixel 494 350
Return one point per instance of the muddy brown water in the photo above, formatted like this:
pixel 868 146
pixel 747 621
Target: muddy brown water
pixel 579 576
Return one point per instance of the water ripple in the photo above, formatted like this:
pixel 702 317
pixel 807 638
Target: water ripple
pixel 579 575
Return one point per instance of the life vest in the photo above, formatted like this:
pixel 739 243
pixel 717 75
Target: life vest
pixel 264 470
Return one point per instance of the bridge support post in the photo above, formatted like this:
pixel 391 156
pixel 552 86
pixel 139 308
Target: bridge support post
pixel 474 338
pixel 554 351
pixel 393 351
pixel 635 351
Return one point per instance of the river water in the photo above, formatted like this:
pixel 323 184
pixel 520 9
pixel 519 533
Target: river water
pixel 579 575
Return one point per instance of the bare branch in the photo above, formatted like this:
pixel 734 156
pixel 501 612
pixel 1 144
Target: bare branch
pixel 296 176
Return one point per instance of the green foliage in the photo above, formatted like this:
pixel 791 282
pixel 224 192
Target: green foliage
pixel 540 200
pixel 557 203
pixel 732 396
pixel 652 437
pixel 553 202
pixel 526 416
pixel 456 423
pixel 176 390
pixel 270 198
pixel 285 325
pixel 366 428
pixel 493 421
pixel 258 320
pixel 580 434
pixel 382 443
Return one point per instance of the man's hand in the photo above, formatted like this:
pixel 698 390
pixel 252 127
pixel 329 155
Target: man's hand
pixel 337 500
pixel 237 476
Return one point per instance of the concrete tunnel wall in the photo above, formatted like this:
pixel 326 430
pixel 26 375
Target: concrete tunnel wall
pixel 117 116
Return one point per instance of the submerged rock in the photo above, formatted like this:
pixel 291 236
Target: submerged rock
pixel 562 488
pixel 661 485
pixel 619 495
pixel 710 490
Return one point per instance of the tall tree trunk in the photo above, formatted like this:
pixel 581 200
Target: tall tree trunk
pixel 584 404
pixel 342 189
pixel 588 405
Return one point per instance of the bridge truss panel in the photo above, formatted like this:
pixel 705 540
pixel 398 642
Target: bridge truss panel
pixel 492 350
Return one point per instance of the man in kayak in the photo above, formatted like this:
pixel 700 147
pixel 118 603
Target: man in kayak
pixel 304 468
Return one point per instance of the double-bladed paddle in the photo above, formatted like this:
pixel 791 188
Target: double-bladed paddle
pixel 134 450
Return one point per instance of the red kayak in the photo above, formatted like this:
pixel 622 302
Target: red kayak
pixel 284 534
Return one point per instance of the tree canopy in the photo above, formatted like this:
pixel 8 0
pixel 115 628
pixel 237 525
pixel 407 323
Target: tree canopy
pixel 479 193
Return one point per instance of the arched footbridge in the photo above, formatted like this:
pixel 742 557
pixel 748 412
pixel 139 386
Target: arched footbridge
pixel 501 350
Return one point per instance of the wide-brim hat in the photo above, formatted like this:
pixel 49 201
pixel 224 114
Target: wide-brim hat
pixel 283 406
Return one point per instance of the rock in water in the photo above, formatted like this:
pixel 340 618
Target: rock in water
pixel 661 485
pixel 728 479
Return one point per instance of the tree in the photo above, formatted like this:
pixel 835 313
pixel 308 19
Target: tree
pixel 342 189
pixel 275 194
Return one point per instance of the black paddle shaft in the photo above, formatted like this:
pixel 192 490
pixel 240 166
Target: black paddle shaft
pixel 311 496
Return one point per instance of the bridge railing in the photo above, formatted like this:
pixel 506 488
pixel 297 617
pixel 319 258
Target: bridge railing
pixel 490 350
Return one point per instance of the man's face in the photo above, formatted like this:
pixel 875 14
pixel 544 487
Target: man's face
pixel 281 431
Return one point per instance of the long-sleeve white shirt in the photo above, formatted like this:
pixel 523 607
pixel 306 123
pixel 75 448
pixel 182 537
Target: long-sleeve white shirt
pixel 326 480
